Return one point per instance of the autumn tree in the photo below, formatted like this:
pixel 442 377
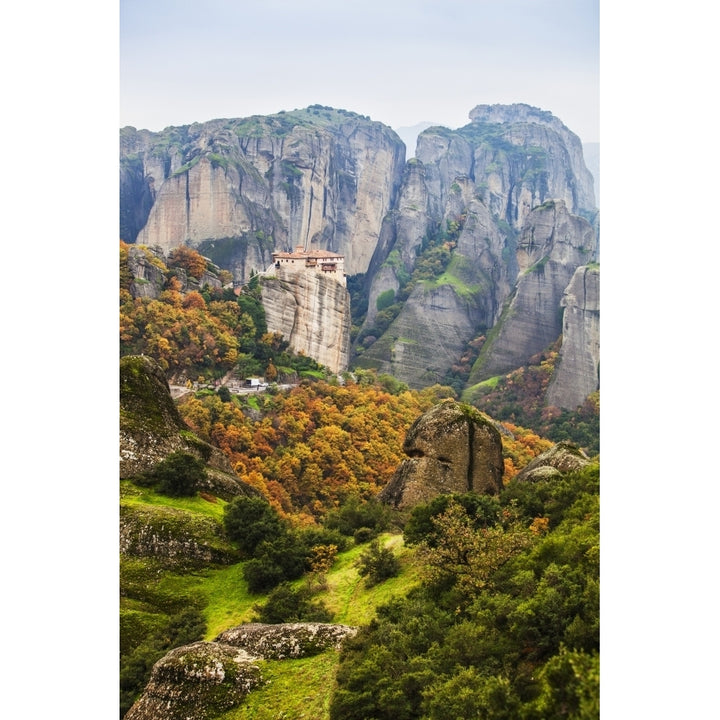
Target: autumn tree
pixel 189 260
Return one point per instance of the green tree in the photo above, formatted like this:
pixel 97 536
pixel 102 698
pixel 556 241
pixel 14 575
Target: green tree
pixel 378 564
pixel 178 475
pixel 250 520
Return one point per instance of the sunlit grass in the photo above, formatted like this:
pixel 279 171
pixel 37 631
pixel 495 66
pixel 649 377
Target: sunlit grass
pixel 293 689
pixel 204 504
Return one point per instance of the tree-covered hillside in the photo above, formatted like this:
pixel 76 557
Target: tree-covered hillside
pixel 468 606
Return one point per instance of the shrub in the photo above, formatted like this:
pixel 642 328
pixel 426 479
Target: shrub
pixel 284 604
pixel 378 564
pixel 356 513
pixel 363 535
pixel 177 475
pixel 249 521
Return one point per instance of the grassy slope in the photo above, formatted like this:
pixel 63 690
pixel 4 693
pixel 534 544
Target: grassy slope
pixel 303 688
pixel 295 688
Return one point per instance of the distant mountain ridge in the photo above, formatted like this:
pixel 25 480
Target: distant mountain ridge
pixel 444 246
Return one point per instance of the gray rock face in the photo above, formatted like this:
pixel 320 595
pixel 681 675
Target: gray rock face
pixel 452 448
pixel 429 335
pixel 204 679
pixel 522 114
pixel 552 246
pixel 151 428
pixel 561 458
pixel 238 189
pixel 514 180
pixel 578 371
pixel 313 313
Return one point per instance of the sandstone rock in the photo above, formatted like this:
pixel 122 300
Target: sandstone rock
pixel 452 448
pixel 244 187
pixel 312 312
pixel 520 114
pixel 561 458
pixel 578 372
pixel 553 244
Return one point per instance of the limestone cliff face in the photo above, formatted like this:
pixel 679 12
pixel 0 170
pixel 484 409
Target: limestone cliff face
pixel 312 312
pixel 578 371
pixel 440 317
pixel 552 246
pixel 452 448
pixel 238 189
pixel 571 157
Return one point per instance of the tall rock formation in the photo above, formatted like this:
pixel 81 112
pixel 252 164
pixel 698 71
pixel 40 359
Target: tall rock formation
pixel 237 190
pixel 488 179
pixel 452 448
pixel 476 236
pixel 578 372
pixel 552 246
pixel 306 300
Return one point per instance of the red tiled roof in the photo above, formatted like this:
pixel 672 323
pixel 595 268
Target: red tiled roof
pixel 305 255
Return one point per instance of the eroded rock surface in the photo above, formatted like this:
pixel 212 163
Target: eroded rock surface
pixel 452 448
pixel 204 679
pixel 561 458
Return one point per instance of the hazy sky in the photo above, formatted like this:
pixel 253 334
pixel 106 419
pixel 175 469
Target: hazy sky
pixel 399 61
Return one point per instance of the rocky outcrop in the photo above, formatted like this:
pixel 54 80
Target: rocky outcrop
pixel 286 640
pixel 508 195
pixel 149 273
pixel 151 428
pixel 561 458
pixel 578 372
pixel 522 117
pixel 196 682
pixel 312 312
pixel 553 244
pixel 238 189
pixel 202 680
pixel 452 448
pixel 176 538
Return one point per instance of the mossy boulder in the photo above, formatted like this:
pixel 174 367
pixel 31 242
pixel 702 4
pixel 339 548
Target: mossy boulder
pixel 151 429
pixel 179 538
pixel 452 448
pixel 196 682
pixel 559 459
pixel 203 680
pixel 286 640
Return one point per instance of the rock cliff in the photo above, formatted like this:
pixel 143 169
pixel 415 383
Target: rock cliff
pixel 578 371
pixel 151 429
pixel 508 195
pixel 238 189
pixel 312 311
pixel 553 244
pixel 452 448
